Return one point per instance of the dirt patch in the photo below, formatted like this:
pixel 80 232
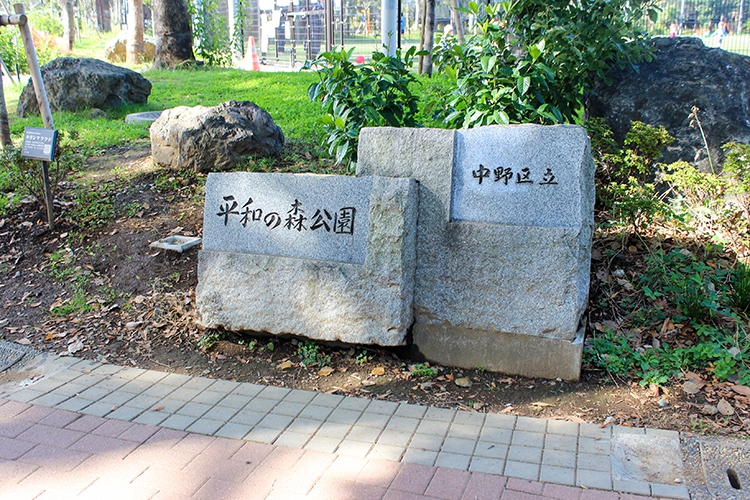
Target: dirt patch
pixel 102 293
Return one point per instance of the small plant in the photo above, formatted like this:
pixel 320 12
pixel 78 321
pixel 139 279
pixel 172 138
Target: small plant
pixel 424 370
pixel 363 357
pixel 695 121
pixel 79 303
pixel 310 354
pixel 210 338
pixel 740 286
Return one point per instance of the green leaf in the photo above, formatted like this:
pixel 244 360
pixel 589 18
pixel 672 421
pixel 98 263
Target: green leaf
pixel 523 84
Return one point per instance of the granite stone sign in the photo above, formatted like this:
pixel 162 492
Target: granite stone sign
pixel 503 242
pixel 326 257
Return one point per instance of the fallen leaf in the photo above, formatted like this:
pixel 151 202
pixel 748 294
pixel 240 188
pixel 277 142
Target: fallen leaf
pixel 325 371
pixel 709 410
pixel 132 325
pixel 463 382
pixel 725 408
pixel 691 387
pixel 741 389
pixel 577 420
pixel 608 421
pixel 75 346
pixel 378 371
pixel 49 337
pixel 368 383
pixel 23 341
pixel 158 408
pixel 285 365
pixel 541 404
pixel 507 409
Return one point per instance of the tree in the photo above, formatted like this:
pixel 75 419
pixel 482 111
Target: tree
pixel 103 16
pixel 135 46
pixel 69 24
pixel 4 126
pixel 428 37
pixel 174 38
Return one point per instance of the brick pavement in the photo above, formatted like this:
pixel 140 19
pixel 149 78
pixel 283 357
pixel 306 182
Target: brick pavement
pixel 77 429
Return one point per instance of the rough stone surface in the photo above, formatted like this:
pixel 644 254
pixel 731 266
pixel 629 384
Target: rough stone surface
pixel 684 73
pixel 320 298
pixel 116 50
pixel 73 84
pixel 209 139
pixel 495 273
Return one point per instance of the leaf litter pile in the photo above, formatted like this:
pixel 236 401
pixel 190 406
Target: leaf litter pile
pixel 98 291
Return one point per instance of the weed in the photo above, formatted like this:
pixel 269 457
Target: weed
pixel 310 354
pixel 740 287
pixel 78 303
pixel 210 338
pixel 363 357
pixel 424 370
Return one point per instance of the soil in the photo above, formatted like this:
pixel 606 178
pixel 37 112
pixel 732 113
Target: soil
pixel 103 293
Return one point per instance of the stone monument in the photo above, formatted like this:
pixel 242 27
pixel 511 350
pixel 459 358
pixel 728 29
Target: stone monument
pixel 325 257
pixel 503 242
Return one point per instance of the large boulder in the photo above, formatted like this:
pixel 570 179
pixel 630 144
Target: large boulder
pixel 214 139
pixel 116 49
pixel 73 84
pixel 684 73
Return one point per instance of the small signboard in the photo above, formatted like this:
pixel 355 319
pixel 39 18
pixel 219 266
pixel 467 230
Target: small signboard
pixel 39 143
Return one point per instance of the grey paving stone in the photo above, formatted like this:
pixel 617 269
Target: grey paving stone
pixel 175 379
pixel 233 430
pixel 263 435
pixel 194 409
pixel 98 409
pixel 69 389
pixel 458 445
pixel 344 416
pixel 325 444
pixel 637 487
pixel 352 448
pixel 403 424
pixel 198 383
pixel 222 413
pixel 384 407
pixel 152 376
pixel 277 393
pixel 329 400
pixel 500 421
pixel 377 420
pixel 663 433
pixel 315 412
pixel 464 431
pixel 106 369
pixel 209 396
pixel 305 425
pixel 74 404
pixel 525 438
pixel 179 422
pixel 352 403
pixel 235 401
pixel 225 386
pixel 593 479
pixel 523 470
pixel 110 384
pixel 410 410
pixel 49 399
pixel 184 393
pixel 520 453
pixel 559 458
pixel 299 396
pixel 670 491
pixel 248 417
pixel 65 375
pixel 562 427
pixel 496 435
pixel 248 389
pixel 90 379
pixel 593 461
pixel 469 418
pixel 85 365
pixel 426 442
pixel 334 429
pixel 292 439
pixel 386 452
pixel 273 421
pixel 129 373
pixel 169 405
pixel 151 417
pixel 46 384
pixel 440 414
pixel 420 457
pixel 117 398
pixel 561 442
pixel 621 429
pixel 594 431
pixel 134 386
pixel 436 427
pixel 452 460
pixel 487 465
pixel 489 449
pixel 144 402
pixel 594 446
pixel 205 426
pixel 261 404
pixel 24 395
pixel 288 408
pixel 531 424
pixel 557 475
pixel 395 438
pixel 125 413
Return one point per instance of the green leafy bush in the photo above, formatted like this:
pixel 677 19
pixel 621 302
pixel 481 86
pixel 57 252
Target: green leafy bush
pixel 210 32
pixel 353 96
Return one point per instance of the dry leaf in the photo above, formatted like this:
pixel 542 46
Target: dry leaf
pixel 691 387
pixel 577 420
pixel 158 408
pixel 23 341
pixel 463 382
pixel 285 365
pixel 378 371
pixel 541 404
pixel 725 408
pixel 325 371
pixel 741 389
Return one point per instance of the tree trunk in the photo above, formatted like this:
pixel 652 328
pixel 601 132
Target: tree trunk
pixel 174 38
pixel 135 47
pixel 69 24
pixel 428 37
pixel 4 126
pixel 103 15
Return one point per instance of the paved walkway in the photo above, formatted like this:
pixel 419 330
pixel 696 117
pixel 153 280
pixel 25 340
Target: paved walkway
pixel 72 428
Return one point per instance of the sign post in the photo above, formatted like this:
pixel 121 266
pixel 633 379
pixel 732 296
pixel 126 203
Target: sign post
pixel 40 144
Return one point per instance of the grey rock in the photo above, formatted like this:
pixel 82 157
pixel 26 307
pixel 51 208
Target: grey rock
pixel 209 139
pixel 684 73
pixel 73 84
pixel 496 261
pixel 323 296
